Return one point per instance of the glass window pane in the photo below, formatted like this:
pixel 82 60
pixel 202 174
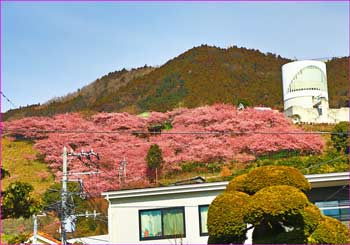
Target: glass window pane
pixel 329 208
pixel 173 221
pixel 203 216
pixel 151 223
pixel 344 210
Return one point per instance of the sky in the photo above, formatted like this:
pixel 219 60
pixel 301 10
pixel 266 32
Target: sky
pixel 49 49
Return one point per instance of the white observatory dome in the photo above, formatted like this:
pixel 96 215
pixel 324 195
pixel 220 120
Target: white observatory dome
pixel 304 83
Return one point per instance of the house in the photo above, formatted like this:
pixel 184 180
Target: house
pixel 178 214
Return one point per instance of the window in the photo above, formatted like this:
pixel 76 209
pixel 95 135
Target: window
pixel 162 223
pixel 203 213
pixel 339 209
pixel 329 208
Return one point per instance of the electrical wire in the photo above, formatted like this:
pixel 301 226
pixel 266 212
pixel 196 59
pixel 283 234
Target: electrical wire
pixel 171 133
pixel 3 95
pixel 319 164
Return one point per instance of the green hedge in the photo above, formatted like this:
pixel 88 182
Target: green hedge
pixel 274 202
pixel 330 231
pixel 266 176
pixel 225 218
pixel 238 183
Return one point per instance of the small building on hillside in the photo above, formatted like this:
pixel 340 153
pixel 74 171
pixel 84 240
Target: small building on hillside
pixel 42 238
pixel 305 94
pixel 178 214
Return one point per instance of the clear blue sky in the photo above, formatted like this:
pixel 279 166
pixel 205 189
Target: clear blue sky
pixel 53 48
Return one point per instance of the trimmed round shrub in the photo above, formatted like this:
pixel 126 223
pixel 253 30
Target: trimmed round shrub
pixel 312 216
pixel 265 176
pixel 274 202
pixel 330 231
pixel 237 184
pixel 225 218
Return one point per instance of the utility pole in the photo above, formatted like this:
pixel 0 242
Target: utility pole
pixel 65 213
pixel 64 197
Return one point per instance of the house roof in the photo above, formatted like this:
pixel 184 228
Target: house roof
pixel 45 238
pixel 316 181
pixel 100 239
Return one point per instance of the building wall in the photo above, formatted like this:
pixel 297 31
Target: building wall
pixel 124 206
pixel 123 217
pixel 311 115
pixel 303 80
pixel 341 115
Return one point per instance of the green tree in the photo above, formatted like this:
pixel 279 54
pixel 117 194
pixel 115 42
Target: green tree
pixel 17 201
pixel 340 137
pixel 154 160
pixel 272 200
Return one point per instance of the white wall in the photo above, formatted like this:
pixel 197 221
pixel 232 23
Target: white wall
pixel 298 98
pixel 123 217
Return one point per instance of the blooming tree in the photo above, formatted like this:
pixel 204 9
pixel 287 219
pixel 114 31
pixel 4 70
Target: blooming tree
pixel 234 136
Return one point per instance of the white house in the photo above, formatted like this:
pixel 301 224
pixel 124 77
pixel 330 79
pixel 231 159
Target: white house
pixel 178 214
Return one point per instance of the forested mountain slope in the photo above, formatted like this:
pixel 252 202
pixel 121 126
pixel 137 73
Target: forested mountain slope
pixel 201 76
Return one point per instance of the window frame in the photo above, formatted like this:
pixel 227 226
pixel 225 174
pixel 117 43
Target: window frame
pixel 162 224
pixel 201 233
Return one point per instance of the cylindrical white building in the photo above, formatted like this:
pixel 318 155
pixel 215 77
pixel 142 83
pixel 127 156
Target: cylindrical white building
pixel 305 84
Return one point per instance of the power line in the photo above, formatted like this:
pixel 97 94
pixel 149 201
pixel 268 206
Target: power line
pixel 329 161
pixel 172 133
pixel 3 95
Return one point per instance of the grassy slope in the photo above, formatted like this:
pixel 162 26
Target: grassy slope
pixel 20 159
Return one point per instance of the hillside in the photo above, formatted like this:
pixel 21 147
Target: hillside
pixel 179 150
pixel 201 76
pixel 338 82
pixel 85 99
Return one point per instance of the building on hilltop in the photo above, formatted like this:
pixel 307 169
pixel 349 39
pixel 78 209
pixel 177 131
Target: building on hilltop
pixel 305 94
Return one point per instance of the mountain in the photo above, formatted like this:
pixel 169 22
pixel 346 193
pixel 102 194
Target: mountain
pixel 200 76
pixel 338 82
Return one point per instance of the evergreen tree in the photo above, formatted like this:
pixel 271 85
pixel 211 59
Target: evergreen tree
pixel 154 160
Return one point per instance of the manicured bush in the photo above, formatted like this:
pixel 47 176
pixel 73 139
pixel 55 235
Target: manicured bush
pixel 280 213
pixel 225 218
pixel 274 202
pixel 312 216
pixel 266 176
pixel 330 231
pixel 238 183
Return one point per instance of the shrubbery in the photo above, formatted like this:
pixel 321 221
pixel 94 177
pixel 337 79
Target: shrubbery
pixel 330 231
pixel 225 218
pixel 276 207
pixel 275 175
pixel 340 137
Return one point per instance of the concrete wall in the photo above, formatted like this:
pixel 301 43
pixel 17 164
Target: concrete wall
pixel 311 115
